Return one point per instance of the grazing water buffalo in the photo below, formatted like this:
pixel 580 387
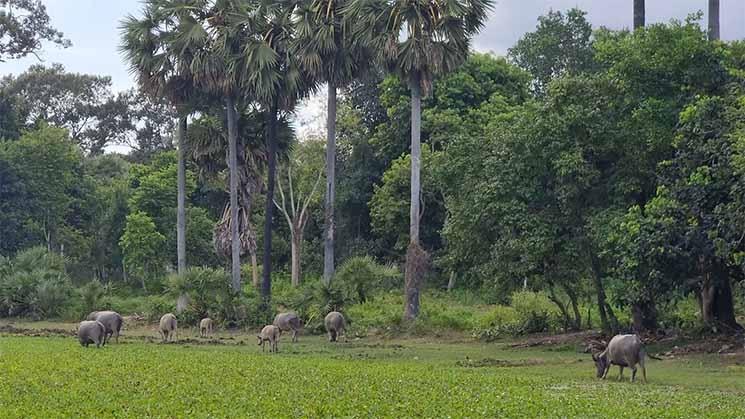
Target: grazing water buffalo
pixel 288 321
pixel 624 351
pixel 111 320
pixel 206 326
pixel 168 327
pixel 335 325
pixel 269 334
pixel 92 331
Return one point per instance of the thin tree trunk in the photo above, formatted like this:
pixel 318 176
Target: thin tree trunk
pixel 271 145
pixel 562 307
pixel 608 321
pixel 181 205
pixel 451 281
pixel 639 14
pixel 713 20
pixel 297 242
pixel 255 270
pixel 329 223
pixel 575 307
pixel 416 257
pixel 235 254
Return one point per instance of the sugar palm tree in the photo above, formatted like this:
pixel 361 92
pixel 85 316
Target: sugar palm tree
pixel 159 63
pixel 327 51
pixel 418 40
pixel 713 19
pixel 639 14
pixel 275 81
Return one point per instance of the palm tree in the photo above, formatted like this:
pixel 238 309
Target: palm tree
pixel 158 62
pixel 418 40
pixel 639 14
pixel 275 82
pixel 713 20
pixel 328 53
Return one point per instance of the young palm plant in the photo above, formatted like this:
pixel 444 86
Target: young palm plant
pixel 327 51
pixel 417 40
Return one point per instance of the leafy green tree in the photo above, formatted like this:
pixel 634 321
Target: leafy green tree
pixel 48 165
pixel 561 45
pixel 418 40
pixel 82 104
pixel 25 25
pixel 142 246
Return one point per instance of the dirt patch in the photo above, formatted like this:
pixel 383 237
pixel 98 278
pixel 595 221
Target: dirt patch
pixel 9 329
pixel 498 363
pixel 574 338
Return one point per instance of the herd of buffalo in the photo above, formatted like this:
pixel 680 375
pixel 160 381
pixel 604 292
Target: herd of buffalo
pixel 625 351
pixel 100 326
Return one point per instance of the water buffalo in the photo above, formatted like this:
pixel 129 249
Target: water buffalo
pixel 335 325
pixel 206 326
pixel 624 351
pixel 288 321
pixel 111 320
pixel 168 327
pixel 269 333
pixel 91 331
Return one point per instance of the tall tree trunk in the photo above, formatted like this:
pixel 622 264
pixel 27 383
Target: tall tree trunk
pixel 271 145
pixel 713 20
pixel 644 316
pixel 451 281
pixel 639 14
pixel 255 269
pixel 575 307
pixel 608 321
pixel 296 248
pixel 715 298
pixel 235 254
pixel 416 257
pixel 329 222
pixel 181 205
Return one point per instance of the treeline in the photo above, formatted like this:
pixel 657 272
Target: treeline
pixel 591 165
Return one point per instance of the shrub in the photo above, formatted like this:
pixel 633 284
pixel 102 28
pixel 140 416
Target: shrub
pixel 34 284
pixel 206 293
pixel 360 276
pixel 92 296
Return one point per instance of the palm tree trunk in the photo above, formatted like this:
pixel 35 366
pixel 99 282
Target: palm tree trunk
pixel 713 20
pixel 181 205
pixel 329 226
pixel 235 255
pixel 255 269
pixel 416 257
pixel 639 14
pixel 271 145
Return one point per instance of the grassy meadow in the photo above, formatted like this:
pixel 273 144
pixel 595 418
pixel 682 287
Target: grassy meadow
pixel 53 376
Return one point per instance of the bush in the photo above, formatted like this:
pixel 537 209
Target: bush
pixel 360 276
pixel 206 293
pixel 34 284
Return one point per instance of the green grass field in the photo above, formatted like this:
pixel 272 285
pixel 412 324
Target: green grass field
pixel 51 377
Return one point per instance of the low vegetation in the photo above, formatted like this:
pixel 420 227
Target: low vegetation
pixel 53 377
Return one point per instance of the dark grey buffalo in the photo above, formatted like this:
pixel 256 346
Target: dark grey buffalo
pixel 624 351
pixel 92 331
pixel 269 334
pixel 111 320
pixel 287 322
pixel 335 325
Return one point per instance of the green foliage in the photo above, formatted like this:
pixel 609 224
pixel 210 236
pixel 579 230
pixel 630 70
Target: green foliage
pixel 26 26
pixel 142 246
pixel 208 294
pixel 561 45
pixel 361 276
pixel 34 284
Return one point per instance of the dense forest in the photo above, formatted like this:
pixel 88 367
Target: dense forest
pixel 591 175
